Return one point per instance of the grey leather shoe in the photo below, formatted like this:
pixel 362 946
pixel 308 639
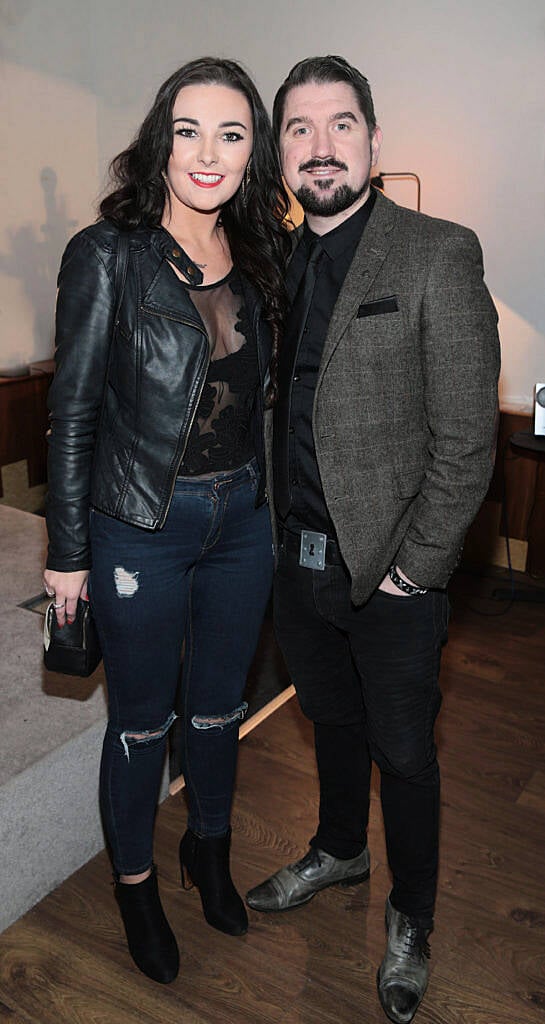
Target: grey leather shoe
pixel 403 974
pixel 299 882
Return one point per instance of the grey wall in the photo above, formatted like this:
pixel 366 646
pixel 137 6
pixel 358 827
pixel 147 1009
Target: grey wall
pixel 459 89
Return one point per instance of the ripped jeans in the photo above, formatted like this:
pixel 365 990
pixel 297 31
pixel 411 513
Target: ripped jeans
pixel 205 578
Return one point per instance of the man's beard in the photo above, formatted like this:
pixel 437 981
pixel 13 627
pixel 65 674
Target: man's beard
pixel 342 199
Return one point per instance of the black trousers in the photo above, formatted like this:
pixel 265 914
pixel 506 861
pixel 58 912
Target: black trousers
pixel 368 678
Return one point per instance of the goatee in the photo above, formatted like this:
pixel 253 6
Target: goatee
pixel 342 199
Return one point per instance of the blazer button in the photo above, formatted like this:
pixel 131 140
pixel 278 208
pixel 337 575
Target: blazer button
pixel 176 253
pixel 190 271
pixel 296 378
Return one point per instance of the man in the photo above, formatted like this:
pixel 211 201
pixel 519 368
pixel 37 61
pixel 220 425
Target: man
pixel 381 455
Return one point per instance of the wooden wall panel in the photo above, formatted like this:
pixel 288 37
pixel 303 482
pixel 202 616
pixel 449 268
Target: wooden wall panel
pixel 514 505
pixel 23 424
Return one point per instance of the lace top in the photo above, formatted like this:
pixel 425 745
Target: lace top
pixel 221 435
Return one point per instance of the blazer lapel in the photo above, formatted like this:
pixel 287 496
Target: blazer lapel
pixel 369 256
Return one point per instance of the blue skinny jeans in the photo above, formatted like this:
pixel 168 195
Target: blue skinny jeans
pixel 205 578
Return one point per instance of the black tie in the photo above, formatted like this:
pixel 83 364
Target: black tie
pixel 303 299
pixel 298 319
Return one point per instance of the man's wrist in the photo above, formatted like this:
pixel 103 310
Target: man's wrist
pixel 404 585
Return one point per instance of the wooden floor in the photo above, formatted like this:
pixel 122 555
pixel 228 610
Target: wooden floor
pixel 65 961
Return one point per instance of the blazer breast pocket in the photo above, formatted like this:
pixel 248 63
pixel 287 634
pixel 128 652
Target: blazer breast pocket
pixel 378 306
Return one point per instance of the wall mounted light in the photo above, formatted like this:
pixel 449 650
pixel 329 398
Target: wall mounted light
pixel 379 179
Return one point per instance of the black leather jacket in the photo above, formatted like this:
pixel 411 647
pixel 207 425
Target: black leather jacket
pixel 122 402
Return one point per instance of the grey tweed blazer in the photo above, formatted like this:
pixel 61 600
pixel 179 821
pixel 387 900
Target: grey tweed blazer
pixel 405 409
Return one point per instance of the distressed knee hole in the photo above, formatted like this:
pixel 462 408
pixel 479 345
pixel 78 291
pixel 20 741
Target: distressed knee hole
pixel 220 722
pixel 126 583
pixel 146 737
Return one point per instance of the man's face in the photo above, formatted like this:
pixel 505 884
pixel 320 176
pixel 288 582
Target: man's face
pixel 325 148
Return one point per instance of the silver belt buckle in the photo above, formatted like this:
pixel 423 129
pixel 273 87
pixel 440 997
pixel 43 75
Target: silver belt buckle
pixel 312 553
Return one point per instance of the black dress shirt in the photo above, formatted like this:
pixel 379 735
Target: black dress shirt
pixel 299 496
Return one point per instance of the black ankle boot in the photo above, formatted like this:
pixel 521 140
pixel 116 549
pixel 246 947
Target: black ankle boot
pixel 205 859
pixel 149 936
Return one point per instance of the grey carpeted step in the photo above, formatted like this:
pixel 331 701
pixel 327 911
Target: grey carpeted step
pixel 52 728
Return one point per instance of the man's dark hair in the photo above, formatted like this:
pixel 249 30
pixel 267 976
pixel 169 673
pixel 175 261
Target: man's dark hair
pixel 321 70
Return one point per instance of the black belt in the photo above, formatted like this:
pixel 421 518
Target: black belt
pixel 290 540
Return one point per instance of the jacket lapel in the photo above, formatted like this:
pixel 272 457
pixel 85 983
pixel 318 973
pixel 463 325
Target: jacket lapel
pixel 369 257
pixel 166 297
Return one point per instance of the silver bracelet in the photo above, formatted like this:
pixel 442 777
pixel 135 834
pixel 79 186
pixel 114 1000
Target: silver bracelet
pixel 401 584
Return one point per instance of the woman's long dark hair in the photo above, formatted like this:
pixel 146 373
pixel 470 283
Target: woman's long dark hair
pixel 253 224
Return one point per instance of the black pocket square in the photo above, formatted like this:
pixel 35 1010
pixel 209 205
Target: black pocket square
pixel 377 306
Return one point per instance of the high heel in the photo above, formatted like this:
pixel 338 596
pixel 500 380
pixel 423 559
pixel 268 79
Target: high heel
pixel 204 861
pixel 150 938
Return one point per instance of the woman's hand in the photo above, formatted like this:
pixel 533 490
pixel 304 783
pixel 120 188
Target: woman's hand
pixel 65 588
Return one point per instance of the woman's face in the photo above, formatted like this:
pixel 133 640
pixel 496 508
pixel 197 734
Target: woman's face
pixel 212 143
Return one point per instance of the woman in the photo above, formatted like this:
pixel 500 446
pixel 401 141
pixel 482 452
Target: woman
pixel 156 501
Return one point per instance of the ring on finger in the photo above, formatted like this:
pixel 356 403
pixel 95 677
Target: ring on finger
pixel 61 605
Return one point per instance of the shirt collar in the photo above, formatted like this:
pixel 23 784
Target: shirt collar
pixel 344 236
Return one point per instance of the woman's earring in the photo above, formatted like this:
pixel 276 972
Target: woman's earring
pixel 245 182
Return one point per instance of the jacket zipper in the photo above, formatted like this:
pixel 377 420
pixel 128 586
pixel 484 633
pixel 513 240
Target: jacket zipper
pixel 175 319
pixel 196 326
pixel 162 519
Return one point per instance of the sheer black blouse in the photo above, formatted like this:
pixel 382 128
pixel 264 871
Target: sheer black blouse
pixel 221 434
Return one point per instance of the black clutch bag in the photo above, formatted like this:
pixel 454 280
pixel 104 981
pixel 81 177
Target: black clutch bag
pixel 74 649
